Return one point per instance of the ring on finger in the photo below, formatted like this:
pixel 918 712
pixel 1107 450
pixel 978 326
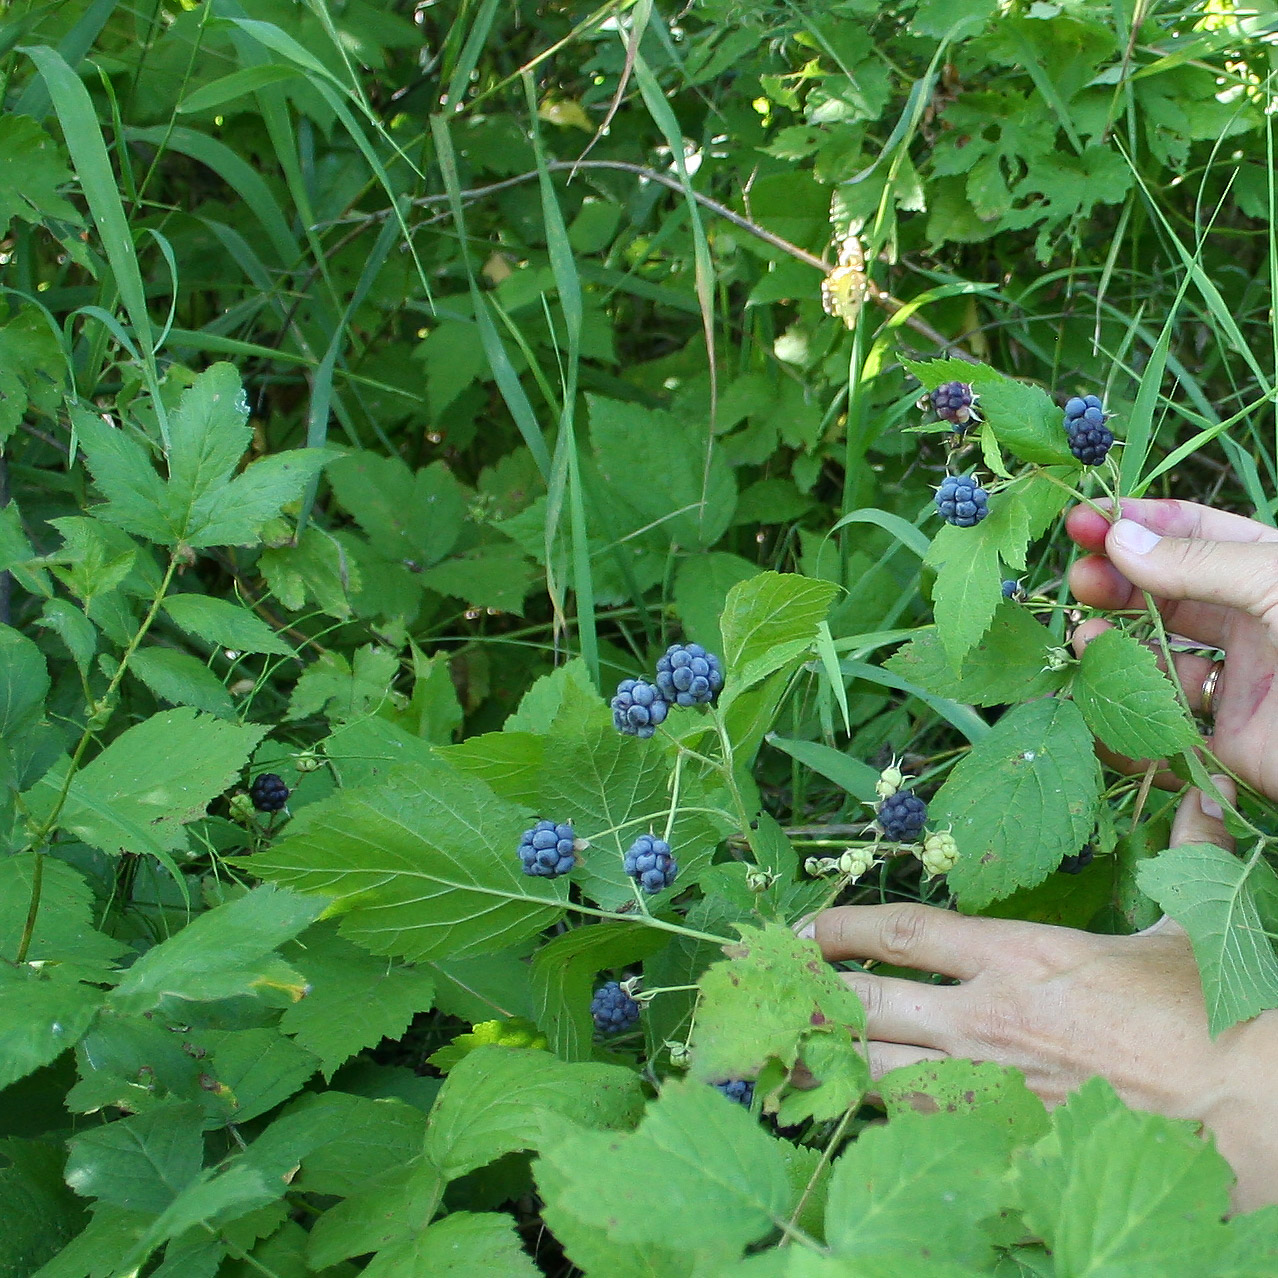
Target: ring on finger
pixel 1210 684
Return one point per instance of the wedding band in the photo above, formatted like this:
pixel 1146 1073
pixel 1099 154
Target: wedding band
pixel 1209 687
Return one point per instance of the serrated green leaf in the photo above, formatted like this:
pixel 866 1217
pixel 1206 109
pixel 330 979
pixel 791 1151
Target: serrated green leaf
pixel 32 173
pixel 255 1070
pixel 73 628
pixel 947 1169
pixel 221 622
pixel 968 586
pixel 1025 420
pixel 1111 1190
pixel 1212 895
pixel 766 622
pixel 932 373
pixel 64 931
pixel 1128 702
pixel 1023 798
pixel 40 1213
pixel 769 1002
pixel 510 762
pixel 423 866
pixel 500 1099
pixel 177 677
pixel 1006 664
pixel 24 681
pixel 723 1181
pixel 559 700
pixel 463 1245
pixel 563 978
pixel 45 1012
pixel 141 1163
pixel 998 1094
pixel 353 1000
pixel 219 953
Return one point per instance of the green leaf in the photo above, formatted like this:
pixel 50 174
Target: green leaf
pixel 142 1162
pixel 700 589
pixel 255 1069
pixel 946 1169
pixel 181 679
pixel 998 1094
pixel 510 762
pixel 1023 798
pixel 24 681
pixel 496 576
pixel 221 952
pixel 40 1213
pixel 564 697
pixel 203 503
pixel 771 1001
pixel 225 624
pixel 414 518
pixel 1006 664
pixel 848 773
pixel 424 866
pixel 1128 702
pixel 1213 896
pixel 722 1181
pixel 463 1245
pixel 693 504
pixel 73 628
pixel 767 622
pixel 1025 420
pixel 32 171
pixel 314 567
pixel 346 690
pixel 500 1099
pixel 45 1012
pixel 1114 1191
pixel 366 751
pixel 563 978
pixel 968 586
pixel 353 1000
pixel 64 931
pixel 150 781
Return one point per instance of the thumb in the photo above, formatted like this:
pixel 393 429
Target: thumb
pixel 1235 574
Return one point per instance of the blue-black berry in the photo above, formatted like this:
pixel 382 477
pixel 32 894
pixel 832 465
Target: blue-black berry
pixel 638 708
pixel 1089 438
pixel 269 793
pixel 688 675
pixel 901 816
pixel 740 1090
pixel 1077 863
pixel 961 500
pixel 613 1009
pixel 649 863
pixel 952 402
pixel 547 849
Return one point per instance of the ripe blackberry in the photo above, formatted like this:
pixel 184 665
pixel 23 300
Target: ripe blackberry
pixel 649 863
pixel 740 1090
pixel 269 793
pixel 961 500
pixel 901 816
pixel 1077 863
pixel 688 675
pixel 638 708
pixel 547 850
pixel 1013 590
pixel 952 402
pixel 1089 438
pixel 613 1009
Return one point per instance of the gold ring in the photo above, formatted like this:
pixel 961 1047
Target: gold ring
pixel 1209 687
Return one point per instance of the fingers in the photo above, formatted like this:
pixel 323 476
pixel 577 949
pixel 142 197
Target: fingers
pixel 899 1011
pixel 1199 819
pixel 884 1057
pixel 919 936
pixel 1167 518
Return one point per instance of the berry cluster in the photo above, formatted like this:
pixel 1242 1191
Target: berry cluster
pixel 687 675
pixel 940 853
pixel 548 850
pixel 961 500
pixel 649 863
pixel 613 1010
pixel 952 402
pixel 269 793
pixel 1077 863
pixel 638 708
pixel 740 1090
pixel 901 816
pixel 1089 438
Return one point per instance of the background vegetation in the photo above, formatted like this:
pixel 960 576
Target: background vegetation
pixel 482 350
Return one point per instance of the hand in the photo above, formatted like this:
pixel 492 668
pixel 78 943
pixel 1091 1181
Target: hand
pixel 1062 1005
pixel 1215 578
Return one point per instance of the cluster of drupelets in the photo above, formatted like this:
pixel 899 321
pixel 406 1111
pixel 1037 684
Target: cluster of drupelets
pixel 960 500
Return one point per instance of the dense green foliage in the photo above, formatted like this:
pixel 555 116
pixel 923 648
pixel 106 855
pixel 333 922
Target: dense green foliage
pixel 379 386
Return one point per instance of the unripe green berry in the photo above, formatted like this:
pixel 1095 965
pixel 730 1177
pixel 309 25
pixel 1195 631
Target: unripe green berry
pixel 940 853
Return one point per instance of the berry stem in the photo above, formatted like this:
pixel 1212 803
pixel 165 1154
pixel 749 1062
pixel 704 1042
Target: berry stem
pixel 1110 515
pixel 674 796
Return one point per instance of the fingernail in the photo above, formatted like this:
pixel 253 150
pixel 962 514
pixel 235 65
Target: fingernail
pixel 808 931
pixel 1135 538
pixel 1210 807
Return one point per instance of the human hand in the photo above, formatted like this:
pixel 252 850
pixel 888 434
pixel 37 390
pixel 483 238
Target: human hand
pixel 1062 1005
pixel 1215 578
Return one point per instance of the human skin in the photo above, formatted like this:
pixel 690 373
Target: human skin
pixel 1063 1005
